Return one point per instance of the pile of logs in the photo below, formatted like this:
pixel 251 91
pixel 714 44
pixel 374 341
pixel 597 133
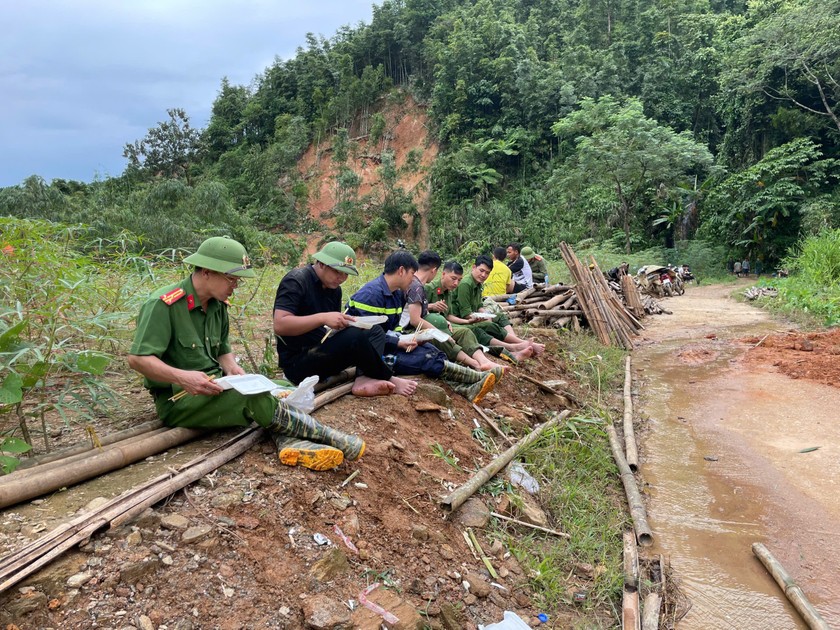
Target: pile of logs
pixel 554 305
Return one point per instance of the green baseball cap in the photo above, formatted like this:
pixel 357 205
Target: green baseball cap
pixel 224 255
pixel 527 253
pixel 339 256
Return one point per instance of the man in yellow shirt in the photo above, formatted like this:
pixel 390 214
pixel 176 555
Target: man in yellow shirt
pixel 500 280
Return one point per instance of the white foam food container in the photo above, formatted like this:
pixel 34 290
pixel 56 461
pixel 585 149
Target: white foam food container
pixel 369 321
pixel 427 334
pixel 482 315
pixel 247 384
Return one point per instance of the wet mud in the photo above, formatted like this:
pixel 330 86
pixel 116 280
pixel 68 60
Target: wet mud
pixel 724 467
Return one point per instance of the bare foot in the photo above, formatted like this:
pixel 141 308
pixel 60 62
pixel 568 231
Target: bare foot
pixel 516 347
pixel 527 353
pixel 366 386
pixel 403 386
pixel 539 348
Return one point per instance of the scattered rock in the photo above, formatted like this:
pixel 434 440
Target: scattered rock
pixel 144 623
pixel 433 393
pixel 79 580
pixel 409 618
pixel 27 603
pixel 804 345
pixel 473 513
pixel 94 504
pixel 497 548
pixel 174 522
pixel 478 586
pixel 134 539
pixel 711 458
pixel 350 525
pixel 531 512
pixel 450 617
pixel 446 552
pixel 248 522
pixel 425 405
pixel 341 502
pixel 197 533
pixel 420 532
pixel 134 572
pixel 149 519
pixel 226 500
pixel 584 570
pixel 321 612
pixel 333 563
pixel 470 599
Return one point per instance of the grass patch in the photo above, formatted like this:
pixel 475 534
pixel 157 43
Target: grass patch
pixel 583 496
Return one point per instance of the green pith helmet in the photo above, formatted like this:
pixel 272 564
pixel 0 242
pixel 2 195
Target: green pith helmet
pixel 224 255
pixel 527 253
pixel 438 321
pixel 339 256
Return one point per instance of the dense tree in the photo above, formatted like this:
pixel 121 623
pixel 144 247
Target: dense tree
pixel 618 148
pixel 167 150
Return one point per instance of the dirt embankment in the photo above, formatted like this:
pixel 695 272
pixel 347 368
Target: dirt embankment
pixel 813 356
pixel 237 550
pixel 406 130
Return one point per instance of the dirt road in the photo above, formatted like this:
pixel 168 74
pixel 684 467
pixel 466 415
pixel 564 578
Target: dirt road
pixel 724 467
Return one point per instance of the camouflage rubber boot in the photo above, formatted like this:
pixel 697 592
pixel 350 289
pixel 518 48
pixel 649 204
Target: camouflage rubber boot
pixel 460 373
pixel 293 451
pixel 292 422
pixel 475 392
pixel 498 372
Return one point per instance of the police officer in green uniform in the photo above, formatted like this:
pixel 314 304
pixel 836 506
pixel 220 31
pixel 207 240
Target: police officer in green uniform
pixel 181 344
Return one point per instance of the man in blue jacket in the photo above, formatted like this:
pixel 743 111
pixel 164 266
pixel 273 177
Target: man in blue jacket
pixel 385 295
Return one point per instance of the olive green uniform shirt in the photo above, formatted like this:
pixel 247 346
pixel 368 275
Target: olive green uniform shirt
pixel 184 336
pixel 538 268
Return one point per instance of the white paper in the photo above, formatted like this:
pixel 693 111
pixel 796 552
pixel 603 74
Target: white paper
pixel 247 384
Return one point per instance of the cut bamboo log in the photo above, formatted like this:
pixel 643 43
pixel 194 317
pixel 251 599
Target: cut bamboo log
pixel 105 440
pixel 455 499
pixel 631 490
pixel 550 390
pixel 631 562
pixel 630 617
pixel 791 590
pixel 119 455
pixel 650 611
pixel 629 433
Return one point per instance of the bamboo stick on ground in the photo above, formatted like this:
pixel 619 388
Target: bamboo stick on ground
pixel 650 611
pixel 629 434
pixel 791 590
pixel 532 526
pixel 492 424
pixel 631 562
pixel 631 490
pixel 630 617
pixel 455 499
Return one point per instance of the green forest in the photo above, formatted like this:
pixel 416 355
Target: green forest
pixel 633 123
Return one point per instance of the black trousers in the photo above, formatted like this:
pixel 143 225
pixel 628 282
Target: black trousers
pixel 349 347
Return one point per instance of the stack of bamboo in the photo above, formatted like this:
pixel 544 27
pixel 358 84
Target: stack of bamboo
pixel 607 317
pixel 552 305
pixel 634 300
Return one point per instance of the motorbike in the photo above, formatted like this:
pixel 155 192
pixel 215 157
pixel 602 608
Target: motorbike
pixel 685 274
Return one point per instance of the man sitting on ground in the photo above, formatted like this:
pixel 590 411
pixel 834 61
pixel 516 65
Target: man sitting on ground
pixel 468 305
pixel 385 295
pixel 500 280
pixel 308 307
pixel 462 346
pixel 181 346
pixel 519 267
pixel 489 333
pixel 537 264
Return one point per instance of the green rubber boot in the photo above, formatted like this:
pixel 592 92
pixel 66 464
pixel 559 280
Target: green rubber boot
pixel 291 422
pixel 460 373
pixel 475 392
pixel 296 452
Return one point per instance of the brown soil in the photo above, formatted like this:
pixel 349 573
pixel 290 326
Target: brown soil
pixel 407 129
pixel 254 568
pixel 814 356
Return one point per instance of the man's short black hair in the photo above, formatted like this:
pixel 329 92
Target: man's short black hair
pixel 484 259
pixel 499 253
pixel 453 266
pixel 400 258
pixel 517 247
pixel 429 260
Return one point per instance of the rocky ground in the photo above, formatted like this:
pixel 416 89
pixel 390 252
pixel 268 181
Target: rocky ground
pixel 257 544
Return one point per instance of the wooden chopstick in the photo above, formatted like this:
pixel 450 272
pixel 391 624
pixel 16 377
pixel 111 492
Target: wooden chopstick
pixel 184 392
pixel 330 330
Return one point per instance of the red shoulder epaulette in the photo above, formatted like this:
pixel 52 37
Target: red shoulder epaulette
pixel 173 296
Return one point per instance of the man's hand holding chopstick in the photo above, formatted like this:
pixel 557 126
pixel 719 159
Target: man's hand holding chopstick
pixel 198 384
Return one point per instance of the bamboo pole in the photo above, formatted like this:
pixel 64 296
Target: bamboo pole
pixel 119 455
pixel 650 611
pixel 630 617
pixel 791 590
pixel 549 390
pixel 634 498
pixel 629 434
pixel 105 440
pixel 455 499
pixel 631 562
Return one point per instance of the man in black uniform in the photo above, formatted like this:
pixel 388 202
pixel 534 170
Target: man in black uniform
pixel 308 306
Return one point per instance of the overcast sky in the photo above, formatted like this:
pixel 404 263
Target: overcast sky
pixel 81 78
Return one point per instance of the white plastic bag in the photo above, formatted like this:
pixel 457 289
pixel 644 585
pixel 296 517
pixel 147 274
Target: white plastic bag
pixel 303 397
pixel 520 477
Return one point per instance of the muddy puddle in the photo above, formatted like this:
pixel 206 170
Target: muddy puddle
pixel 722 459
